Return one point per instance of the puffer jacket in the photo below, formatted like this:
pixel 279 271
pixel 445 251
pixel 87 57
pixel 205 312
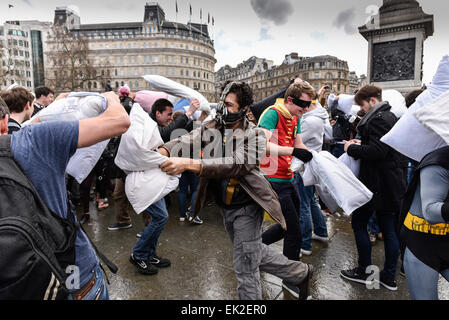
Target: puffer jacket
pixel 234 166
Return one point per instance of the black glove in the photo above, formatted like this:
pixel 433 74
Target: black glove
pixel 302 154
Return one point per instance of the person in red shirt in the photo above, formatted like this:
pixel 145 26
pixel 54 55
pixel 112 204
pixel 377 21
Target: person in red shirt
pixel 281 124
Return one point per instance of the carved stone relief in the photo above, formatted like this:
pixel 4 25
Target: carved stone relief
pixel 393 61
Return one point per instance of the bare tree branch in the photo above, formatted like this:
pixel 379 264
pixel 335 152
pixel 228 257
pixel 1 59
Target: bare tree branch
pixel 72 66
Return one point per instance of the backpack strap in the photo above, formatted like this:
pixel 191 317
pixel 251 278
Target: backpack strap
pixel 5 151
pixel 10 167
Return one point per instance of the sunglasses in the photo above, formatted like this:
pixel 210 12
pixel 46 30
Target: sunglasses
pixel 301 103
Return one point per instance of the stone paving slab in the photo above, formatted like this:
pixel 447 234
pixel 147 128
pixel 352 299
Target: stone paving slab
pixel 201 257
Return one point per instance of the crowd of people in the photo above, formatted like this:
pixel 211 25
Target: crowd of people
pixel 409 210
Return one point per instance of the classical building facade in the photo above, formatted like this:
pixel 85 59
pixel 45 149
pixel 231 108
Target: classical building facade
pixel 318 71
pixel 25 43
pixel 15 56
pixel 124 52
pixel 243 72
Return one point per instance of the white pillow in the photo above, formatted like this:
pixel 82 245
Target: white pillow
pixel 410 137
pixel 397 102
pixel 78 106
pixel 345 103
pixel 178 90
pixel 435 116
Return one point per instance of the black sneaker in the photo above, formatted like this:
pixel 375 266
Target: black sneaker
pixel 388 283
pixel 159 262
pixel 197 220
pixel 144 267
pixel 356 276
pixel 120 226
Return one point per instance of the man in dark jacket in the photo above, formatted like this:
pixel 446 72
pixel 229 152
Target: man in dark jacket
pixel 162 113
pixel 44 97
pixel 340 129
pixel 241 190
pixel 383 171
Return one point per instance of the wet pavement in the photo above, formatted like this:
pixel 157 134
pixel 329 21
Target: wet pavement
pixel 201 257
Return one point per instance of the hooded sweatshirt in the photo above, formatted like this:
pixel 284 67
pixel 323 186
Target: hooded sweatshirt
pixel 313 125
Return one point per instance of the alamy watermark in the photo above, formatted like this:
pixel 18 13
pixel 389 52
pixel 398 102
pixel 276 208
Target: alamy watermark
pixel 73 280
pixel 373 280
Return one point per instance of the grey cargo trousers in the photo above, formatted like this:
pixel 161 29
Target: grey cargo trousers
pixel 244 227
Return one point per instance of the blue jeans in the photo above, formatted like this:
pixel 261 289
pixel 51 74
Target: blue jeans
pixel 99 291
pixel 188 179
pixel 290 204
pixel 386 222
pixel 310 213
pixel 145 248
pixel 422 280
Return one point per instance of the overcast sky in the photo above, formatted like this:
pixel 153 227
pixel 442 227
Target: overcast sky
pixel 263 28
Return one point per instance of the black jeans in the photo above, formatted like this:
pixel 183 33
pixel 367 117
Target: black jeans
pixel 387 226
pixel 290 203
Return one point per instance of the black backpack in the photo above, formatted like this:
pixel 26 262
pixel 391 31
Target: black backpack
pixel 36 245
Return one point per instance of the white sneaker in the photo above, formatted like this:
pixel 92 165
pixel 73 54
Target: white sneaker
pixel 182 219
pixel 306 252
pixel 318 238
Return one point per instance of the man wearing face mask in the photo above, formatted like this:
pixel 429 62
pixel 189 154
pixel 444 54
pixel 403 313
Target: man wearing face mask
pixel 229 169
pixel 383 171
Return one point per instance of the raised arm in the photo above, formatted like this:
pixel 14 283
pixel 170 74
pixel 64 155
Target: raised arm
pixel 113 122
pixel 299 150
